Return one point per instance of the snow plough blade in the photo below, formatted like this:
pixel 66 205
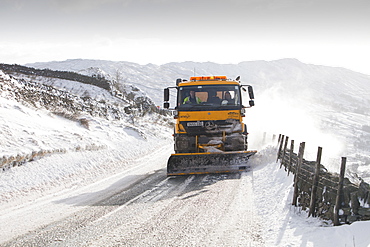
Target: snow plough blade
pixel 205 163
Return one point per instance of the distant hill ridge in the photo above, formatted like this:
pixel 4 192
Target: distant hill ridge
pixel 289 77
pixel 96 80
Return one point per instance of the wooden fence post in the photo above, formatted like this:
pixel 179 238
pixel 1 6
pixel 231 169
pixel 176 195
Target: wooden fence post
pixel 315 182
pixel 278 142
pixel 264 138
pixel 296 175
pixel 339 192
pixel 281 140
pixel 290 155
pixel 284 150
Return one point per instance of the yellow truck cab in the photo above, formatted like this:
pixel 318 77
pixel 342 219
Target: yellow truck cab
pixel 209 118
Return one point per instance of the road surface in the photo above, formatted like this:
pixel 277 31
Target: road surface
pixel 140 207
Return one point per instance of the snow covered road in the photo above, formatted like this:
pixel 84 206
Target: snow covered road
pixel 141 206
pixel 138 207
pixel 19 218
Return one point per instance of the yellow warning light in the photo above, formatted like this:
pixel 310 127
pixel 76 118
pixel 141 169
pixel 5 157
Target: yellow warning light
pixel 208 78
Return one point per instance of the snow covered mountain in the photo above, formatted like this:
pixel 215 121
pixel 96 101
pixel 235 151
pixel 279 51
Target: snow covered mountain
pixel 321 105
pixel 288 76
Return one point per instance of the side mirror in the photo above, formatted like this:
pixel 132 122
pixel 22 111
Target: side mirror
pixel 166 94
pixel 251 103
pixel 166 105
pixel 250 92
pixel 179 80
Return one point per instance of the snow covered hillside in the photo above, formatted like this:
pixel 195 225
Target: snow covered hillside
pixel 323 106
pixel 68 127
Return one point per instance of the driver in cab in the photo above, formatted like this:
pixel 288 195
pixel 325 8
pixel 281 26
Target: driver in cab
pixel 192 99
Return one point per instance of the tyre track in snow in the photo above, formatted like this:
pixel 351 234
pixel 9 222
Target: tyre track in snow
pixel 210 210
pixel 35 214
pixel 202 210
pixel 58 232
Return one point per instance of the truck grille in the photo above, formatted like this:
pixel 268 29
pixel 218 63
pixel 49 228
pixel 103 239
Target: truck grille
pixel 212 127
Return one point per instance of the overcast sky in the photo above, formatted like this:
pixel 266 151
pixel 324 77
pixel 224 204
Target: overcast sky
pixel 323 32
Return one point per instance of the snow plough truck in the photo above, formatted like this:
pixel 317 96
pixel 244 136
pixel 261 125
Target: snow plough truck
pixel 209 133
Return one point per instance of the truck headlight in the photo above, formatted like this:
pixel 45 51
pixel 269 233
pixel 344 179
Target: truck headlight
pixel 242 112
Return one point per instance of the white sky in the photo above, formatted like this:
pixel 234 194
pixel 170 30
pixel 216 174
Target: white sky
pixel 326 32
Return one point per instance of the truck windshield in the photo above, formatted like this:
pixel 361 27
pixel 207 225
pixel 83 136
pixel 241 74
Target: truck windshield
pixel 215 96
